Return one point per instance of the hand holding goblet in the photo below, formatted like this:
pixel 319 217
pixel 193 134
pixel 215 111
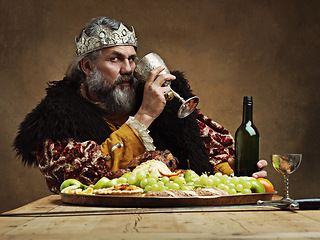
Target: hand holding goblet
pixel 152 61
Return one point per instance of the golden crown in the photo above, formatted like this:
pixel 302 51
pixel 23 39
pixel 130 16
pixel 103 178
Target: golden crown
pixel 104 37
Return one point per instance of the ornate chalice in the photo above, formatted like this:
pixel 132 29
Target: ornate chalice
pixel 150 62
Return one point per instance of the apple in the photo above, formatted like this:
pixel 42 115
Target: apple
pixel 101 183
pixel 71 182
pixel 257 186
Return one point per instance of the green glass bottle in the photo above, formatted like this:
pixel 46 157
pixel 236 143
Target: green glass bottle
pixel 247 141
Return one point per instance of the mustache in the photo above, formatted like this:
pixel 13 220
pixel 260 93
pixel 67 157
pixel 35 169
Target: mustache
pixel 124 79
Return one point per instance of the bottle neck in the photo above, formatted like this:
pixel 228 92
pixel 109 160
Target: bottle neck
pixel 247 112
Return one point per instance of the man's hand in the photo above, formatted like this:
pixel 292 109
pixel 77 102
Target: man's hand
pixel 153 101
pixel 261 164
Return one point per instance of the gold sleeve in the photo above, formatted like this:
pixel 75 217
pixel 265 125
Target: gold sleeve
pixel 122 145
pixel 224 168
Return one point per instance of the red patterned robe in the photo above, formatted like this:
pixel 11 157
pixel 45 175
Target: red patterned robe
pixel 83 160
pixel 63 135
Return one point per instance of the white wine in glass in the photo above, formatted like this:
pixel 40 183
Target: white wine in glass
pixel 285 164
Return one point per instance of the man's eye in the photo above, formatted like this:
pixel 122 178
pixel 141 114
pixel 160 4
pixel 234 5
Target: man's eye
pixel 132 59
pixel 114 59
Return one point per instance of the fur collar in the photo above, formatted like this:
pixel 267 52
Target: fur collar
pixel 72 116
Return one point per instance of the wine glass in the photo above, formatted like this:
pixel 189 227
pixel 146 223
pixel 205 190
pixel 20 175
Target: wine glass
pixel 285 164
pixel 150 62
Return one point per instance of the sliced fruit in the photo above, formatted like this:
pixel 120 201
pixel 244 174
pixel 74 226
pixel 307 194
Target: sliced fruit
pixel 70 182
pixel 101 183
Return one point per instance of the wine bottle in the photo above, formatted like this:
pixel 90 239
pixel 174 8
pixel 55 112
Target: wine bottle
pixel 247 142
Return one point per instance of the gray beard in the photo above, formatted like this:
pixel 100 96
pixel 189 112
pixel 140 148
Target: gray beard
pixel 116 100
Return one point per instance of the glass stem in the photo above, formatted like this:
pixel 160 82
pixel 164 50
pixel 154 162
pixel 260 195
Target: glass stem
pixel 286 186
pixel 177 95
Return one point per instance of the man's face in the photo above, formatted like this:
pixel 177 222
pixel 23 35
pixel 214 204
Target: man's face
pixel 111 79
pixel 114 62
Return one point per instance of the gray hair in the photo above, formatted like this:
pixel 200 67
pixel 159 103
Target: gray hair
pixel 74 71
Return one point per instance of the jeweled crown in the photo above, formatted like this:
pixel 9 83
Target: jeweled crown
pixel 104 37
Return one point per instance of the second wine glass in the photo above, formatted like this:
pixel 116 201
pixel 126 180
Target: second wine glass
pixel 285 164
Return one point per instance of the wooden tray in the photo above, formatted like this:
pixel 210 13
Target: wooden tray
pixel 141 201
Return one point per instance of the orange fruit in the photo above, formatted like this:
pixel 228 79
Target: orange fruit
pixel 267 185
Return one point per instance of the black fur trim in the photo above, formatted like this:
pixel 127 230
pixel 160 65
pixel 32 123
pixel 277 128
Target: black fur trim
pixel 64 114
pixel 181 136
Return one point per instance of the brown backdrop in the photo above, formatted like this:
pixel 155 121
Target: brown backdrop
pixel 227 49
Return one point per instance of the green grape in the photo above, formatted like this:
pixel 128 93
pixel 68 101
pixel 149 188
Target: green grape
pixel 151 181
pixel 180 180
pixel 147 188
pixel 221 186
pixel 242 180
pixel 154 187
pixel 227 182
pixel 153 175
pixel 204 177
pixel 144 183
pixel 218 174
pixel 161 186
pixel 175 186
pixel 246 191
pixel 247 185
pixel 226 188
pixel 209 182
pixel 231 185
pixel 216 181
pixel 199 182
pixel 165 180
pixel 211 176
pixel 127 175
pixel 186 188
pixel 137 183
pixel 234 180
pixel 190 184
pixel 239 187
pixel 141 175
pixel 122 180
pixel 233 191
pixel 194 179
pixel 168 185
pixel 224 178
pixel 132 179
pixel 172 186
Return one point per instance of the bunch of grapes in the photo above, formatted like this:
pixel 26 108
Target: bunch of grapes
pixel 191 180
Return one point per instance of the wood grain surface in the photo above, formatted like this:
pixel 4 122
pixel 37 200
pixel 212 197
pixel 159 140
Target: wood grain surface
pixel 49 218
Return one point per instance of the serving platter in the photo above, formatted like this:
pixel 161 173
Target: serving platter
pixel 146 201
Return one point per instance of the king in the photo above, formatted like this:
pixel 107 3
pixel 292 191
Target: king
pixel 94 121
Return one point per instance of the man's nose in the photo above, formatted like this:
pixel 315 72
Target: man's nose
pixel 127 67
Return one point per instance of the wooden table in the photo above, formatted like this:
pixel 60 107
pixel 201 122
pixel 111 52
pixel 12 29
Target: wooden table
pixel 49 218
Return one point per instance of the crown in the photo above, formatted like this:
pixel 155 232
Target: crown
pixel 104 37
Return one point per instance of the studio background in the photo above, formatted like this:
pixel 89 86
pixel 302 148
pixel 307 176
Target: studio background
pixel 227 49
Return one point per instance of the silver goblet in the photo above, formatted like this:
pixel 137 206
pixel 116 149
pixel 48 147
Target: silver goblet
pixel 150 62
